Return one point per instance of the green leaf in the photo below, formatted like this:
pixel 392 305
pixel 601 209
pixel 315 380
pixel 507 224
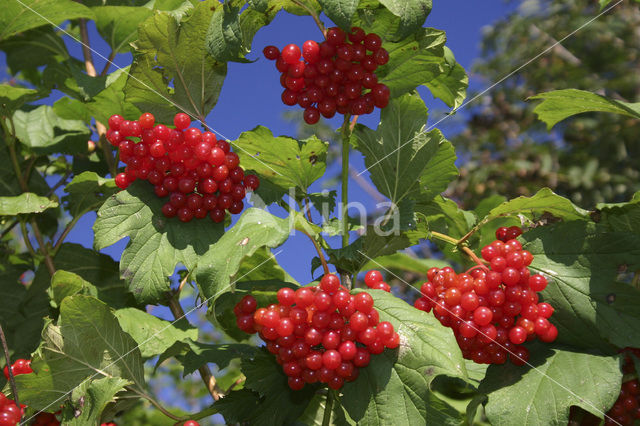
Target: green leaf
pixel 90 399
pixel 397 153
pixel 450 86
pixel 30 50
pixel 225 37
pixel 545 203
pixel 560 378
pixel 87 191
pixel 414 61
pixel 22 310
pixel 412 14
pixel 153 335
pixel 98 269
pixel 86 342
pixel 22 16
pixel 560 104
pixel 25 203
pixel 200 354
pixel 371 245
pixel 43 131
pixel 404 262
pixel 283 161
pixel 395 387
pixel 263 265
pixel 255 229
pixel 118 25
pixel 157 244
pixel 264 291
pixel 440 170
pixel 12 98
pixel 111 100
pixel 71 109
pixel 314 414
pixel 172 70
pixel 582 262
pixel 340 11
pixel 279 404
pixel 65 284
pixel 623 217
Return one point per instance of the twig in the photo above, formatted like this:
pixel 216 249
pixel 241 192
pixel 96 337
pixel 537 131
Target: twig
pixel 205 373
pixel 112 55
pixel 12 379
pixel 58 184
pixel 66 231
pixel 456 242
pixel 323 260
pixel 314 15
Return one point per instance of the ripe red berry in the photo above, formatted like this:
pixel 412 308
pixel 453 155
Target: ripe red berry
pixel 271 52
pixel 290 54
pixel 330 283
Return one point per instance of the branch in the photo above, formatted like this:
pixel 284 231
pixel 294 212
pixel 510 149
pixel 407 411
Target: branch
pixel 112 55
pixel 66 231
pixel 328 407
pixel 457 243
pixel 205 373
pixel 12 379
pixel 91 72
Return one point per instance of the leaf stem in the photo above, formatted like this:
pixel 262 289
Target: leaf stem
pixel 12 379
pixel 205 373
pixel 328 407
pixel 155 403
pixel 314 15
pixel 323 260
pixel 25 237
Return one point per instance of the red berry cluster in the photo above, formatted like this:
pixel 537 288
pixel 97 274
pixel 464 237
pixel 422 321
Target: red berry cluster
pixel 199 174
pixel 319 334
pixel 336 75
pixel 46 419
pixel 373 279
pixel 626 409
pixel 10 414
pixel 492 311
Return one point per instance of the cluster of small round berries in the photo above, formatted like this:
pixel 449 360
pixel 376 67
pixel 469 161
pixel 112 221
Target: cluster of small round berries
pixel 374 279
pixel 319 334
pixel 199 174
pixel 336 75
pixel 10 414
pixel 492 310
pixel 626 409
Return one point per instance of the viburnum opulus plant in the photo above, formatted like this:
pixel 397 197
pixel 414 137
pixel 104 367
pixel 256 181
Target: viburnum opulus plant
pixel 341 336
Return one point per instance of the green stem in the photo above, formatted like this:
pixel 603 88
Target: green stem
pixel 346 136
pixel 65 233
pixel 326 419
pixel 12 380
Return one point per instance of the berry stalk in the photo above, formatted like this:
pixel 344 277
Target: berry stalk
pixel 346 135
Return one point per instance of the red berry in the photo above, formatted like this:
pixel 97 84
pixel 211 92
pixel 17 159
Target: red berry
pixel 311 51
pixel 363 302
pixel 271 52
pixel 330 283
pixel 291 54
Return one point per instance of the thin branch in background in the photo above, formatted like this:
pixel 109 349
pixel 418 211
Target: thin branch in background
pixel 110 59
pixel 12 379
pixel 91 72
pixel 205 373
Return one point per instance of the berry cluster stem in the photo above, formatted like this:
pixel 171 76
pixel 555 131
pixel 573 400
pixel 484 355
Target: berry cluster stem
pixel 205 373
pixel 458 243
pixel 328 408
pixel 346 136
pixel 7 358
pixel 314 15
